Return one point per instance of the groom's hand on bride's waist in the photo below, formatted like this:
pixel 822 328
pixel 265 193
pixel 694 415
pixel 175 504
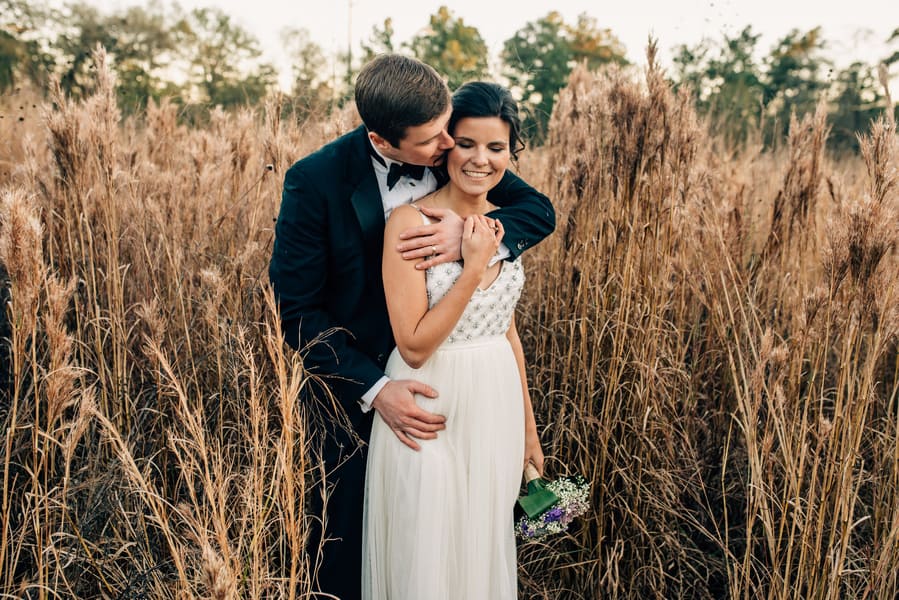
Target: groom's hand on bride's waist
pixel 396 405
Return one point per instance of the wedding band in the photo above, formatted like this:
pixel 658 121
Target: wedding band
pixel 433 249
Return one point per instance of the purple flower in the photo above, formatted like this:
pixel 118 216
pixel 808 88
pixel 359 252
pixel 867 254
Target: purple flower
pixel 572 493
pixel 553 515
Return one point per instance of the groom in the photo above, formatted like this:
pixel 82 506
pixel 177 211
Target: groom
pixel 326 272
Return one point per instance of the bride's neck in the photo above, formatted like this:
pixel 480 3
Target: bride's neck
pixel 461 203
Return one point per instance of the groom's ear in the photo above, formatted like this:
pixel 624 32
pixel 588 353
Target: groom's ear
pixel 380 143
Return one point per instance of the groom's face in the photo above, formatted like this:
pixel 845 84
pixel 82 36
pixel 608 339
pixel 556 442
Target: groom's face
pixel 423 144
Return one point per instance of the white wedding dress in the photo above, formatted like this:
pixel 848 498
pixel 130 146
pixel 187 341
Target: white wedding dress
pixel 438 523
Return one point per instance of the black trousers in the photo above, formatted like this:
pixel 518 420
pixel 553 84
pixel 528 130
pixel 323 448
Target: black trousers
pixel 336 549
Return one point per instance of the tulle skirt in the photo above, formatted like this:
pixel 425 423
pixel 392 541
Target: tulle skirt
pixel 438 523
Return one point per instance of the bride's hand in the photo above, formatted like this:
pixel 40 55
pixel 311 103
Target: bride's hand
pixel 481 237
pixel 533 453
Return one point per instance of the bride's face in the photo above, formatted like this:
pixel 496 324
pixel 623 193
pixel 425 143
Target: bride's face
pixel 481 155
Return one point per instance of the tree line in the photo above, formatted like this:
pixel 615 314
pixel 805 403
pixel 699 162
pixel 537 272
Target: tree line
pixel 203 57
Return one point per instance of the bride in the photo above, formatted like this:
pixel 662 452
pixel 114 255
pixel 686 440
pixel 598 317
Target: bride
pixel 438 522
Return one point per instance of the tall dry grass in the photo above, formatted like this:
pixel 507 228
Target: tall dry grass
pixel 153 444
pixel 712 338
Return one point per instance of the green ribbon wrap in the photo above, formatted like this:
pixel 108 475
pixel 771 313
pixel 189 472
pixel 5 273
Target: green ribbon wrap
pixel 539 499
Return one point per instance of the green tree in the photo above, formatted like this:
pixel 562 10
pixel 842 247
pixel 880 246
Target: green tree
pixel 310 93
pixel 739 94
pixel 224 59
pixel 691 71
pixel 10 57
pixel 140 41
pixel 894 57
pixel 379 42
pixel 81 28
pixel 739 89
pixel 539 57
pixel 24 48
pixel 593 45
pixel 726 84
pixel 538 60
pixel 455 49
pixel 793 80
pixel 145 42
pixel 856 103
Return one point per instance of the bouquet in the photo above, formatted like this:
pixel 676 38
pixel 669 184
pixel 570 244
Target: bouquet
pixel 549 508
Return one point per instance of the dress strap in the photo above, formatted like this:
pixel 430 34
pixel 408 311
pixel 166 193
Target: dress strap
pixel 424 217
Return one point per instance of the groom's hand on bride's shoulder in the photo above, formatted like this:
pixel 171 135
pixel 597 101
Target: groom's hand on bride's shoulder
pixel 436 243
pixel 396 405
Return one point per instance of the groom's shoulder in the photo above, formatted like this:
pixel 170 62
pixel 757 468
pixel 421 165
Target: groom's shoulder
pixel 335 155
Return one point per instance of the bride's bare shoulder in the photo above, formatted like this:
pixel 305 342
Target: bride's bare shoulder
pixel 406 212
pixel 402 217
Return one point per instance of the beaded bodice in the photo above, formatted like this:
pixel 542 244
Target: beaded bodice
pixel 490 310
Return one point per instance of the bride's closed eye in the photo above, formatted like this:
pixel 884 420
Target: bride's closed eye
pixel 494 147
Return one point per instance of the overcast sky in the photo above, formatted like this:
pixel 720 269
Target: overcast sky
pixel 856 29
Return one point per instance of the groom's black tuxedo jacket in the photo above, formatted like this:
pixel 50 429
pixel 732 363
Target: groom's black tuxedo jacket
pixel 326 262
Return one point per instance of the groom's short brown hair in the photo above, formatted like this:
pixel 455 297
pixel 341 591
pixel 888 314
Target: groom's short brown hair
pixel 395 92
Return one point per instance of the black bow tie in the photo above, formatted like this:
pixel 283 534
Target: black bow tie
pixel 398 170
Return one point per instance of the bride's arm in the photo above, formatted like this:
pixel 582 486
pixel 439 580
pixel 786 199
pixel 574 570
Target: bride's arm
pixel 532 450
pixel 419 331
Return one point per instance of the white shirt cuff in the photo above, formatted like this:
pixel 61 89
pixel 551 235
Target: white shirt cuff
pixel 369 396
pixel 502 253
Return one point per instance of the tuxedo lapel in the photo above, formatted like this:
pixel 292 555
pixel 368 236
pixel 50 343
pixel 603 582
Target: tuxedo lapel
pixel 366 196
pixel 366 200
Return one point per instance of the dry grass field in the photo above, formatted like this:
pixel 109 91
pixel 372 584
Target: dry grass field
pixel 712 339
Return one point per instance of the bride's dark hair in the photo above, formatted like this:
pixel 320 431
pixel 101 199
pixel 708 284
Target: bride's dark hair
pixel 485 99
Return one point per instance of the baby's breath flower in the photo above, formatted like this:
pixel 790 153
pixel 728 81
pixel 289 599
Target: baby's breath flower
pixel 573 494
